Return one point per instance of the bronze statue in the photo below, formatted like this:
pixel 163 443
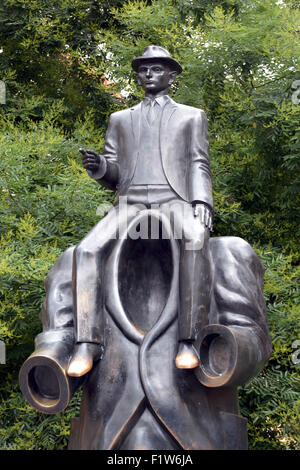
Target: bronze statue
pixel 160 159
pixel 159 330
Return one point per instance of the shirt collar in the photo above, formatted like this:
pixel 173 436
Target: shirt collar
pixel 160 100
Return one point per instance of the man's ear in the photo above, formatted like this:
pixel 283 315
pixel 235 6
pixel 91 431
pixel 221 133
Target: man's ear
pixel 137 79
pixel 172 76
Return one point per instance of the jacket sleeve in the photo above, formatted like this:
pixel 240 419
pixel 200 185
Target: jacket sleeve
pixel 43 377
pixel 199 177
pixel 236 344
pixel 108 174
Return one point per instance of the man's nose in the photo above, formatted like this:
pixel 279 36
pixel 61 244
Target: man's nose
pixel 149 73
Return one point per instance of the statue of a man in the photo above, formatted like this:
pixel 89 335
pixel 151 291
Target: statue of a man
pixel 206 293
pixel 155 153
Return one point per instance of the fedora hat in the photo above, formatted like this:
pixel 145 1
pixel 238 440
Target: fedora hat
pixel 156 53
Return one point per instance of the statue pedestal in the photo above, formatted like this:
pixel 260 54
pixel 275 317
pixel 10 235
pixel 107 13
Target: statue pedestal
pixel 135 393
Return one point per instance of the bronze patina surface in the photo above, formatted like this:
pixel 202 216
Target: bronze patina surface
pixel 156 320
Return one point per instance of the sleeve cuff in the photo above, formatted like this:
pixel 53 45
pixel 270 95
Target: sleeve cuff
pixel 196 201
pixel 97 175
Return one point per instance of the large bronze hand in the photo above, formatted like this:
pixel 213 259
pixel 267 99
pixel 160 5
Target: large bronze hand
pixel 205 214
pixel 91 160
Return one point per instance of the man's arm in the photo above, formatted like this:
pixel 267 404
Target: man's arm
pixel 200 186
pixel 43 377
pixel 237 344
pixel 104 168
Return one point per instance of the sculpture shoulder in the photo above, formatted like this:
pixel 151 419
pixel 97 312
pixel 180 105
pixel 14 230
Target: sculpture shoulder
pixel 119 116
pixel 191 110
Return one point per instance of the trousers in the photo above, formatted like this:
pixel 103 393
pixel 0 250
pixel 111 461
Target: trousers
pixel 194 265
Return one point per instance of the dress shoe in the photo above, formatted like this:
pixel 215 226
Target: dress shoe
pixel 82 359
pixel 187 357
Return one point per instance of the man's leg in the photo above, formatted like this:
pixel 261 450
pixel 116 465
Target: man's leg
pixel 194 280
pixel 87 288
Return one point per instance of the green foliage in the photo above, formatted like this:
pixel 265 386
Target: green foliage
pixel 240 59
pixel 271 401
pixel 49 52
pixel 21 427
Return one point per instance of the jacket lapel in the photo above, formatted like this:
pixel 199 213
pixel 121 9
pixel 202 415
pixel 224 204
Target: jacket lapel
pixel 136 122
pixel 168 110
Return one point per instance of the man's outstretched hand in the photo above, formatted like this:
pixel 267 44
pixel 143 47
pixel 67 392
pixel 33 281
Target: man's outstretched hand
pixel 91 160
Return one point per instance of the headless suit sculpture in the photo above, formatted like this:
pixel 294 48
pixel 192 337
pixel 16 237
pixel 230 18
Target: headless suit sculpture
pixel 159 332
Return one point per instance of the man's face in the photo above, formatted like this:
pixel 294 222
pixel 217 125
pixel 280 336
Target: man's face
pixel 155 77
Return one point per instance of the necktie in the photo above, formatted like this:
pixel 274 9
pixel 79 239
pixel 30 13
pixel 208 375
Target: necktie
pixel 151 111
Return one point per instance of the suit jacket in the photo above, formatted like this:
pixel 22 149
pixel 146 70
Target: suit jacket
pixel 183 144
pixel 198 417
